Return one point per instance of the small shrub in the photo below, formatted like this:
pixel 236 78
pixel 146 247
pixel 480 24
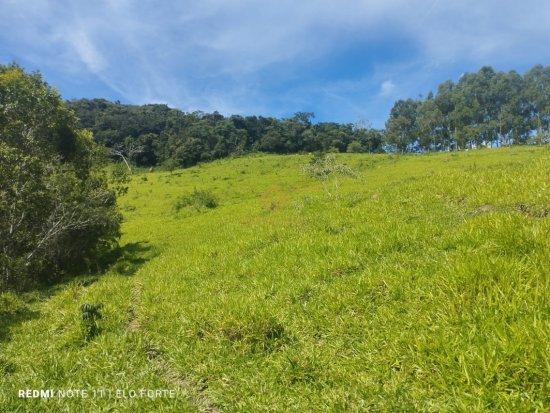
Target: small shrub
pixel 89 316
pixel 323 167
pixel 199 199
pixel 169 165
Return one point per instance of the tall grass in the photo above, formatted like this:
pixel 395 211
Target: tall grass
pixel 423 286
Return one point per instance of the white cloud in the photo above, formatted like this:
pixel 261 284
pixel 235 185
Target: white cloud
pixel 87 51
pixel 214 54
pixel 387 87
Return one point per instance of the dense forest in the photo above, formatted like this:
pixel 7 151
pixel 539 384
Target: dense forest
pixel 486 108
pixel 156 134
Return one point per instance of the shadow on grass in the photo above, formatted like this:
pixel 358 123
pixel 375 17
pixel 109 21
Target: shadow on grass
pixel 127 259
pixel 17 308
pixel 14 310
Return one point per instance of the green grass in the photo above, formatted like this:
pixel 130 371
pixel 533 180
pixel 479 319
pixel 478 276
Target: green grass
pixel 423 285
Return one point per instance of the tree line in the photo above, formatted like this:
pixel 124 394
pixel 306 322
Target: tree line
pixel 486 108
pixel 152 135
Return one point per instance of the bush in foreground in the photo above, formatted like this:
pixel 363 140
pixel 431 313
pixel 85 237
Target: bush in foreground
pixel 57 213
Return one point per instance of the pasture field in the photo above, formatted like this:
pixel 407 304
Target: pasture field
pixel 421 285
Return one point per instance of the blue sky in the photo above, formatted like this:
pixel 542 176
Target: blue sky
pixel 343 60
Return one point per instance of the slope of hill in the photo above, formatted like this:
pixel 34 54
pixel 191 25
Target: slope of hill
pixel 421 285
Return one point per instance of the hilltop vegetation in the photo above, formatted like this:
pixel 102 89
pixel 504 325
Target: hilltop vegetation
pixel 419 285
pixel 486 108
pixel 483 108
pixel 152 135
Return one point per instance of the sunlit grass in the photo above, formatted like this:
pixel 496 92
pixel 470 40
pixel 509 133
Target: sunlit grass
pixel 422 285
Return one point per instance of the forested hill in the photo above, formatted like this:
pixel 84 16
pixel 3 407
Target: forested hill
pixel 156 134
pixel 486 108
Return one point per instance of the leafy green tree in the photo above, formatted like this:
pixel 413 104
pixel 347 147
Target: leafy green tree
pixel 538 97
pixel 333 137
pixel 354 147
pixel 445 101
pixel 273 139
pixel 57 213
pixel 189 153
pixel 512 121
pixel 401 127
pixel 371 140
pixel 294 129
pixel 430 122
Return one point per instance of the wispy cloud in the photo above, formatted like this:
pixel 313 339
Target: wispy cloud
pixel 247 56
pixel 387 87
pixel 87 52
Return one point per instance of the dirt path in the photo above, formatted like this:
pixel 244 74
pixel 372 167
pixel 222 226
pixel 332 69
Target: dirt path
pixel 195 391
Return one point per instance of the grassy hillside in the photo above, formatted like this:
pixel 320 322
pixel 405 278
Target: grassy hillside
pixel 422 285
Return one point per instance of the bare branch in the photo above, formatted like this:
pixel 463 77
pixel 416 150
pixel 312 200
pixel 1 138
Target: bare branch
pixel 127 152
